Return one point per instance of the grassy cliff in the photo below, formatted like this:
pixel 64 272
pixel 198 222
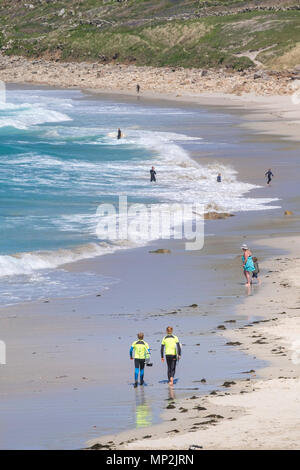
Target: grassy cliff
pixel 210 33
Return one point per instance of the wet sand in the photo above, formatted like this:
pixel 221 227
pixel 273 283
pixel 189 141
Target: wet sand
pixel 260 411
pixel 68 362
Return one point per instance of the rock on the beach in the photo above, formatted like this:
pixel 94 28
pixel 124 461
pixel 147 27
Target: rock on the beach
pixel 199 408
pixel 217 215
pixel 160 251
pixel 99 446
pixel 214 416
pixel 288 213
pixel 228 384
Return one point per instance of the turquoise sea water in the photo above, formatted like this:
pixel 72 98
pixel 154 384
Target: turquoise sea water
pixel 59 159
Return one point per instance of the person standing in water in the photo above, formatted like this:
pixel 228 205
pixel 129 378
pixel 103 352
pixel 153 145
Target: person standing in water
pixel 119 134
pixel 219 178
pixel 171 347
pixel 269 175
pixel 248 264
pixel 152 175
pixel 141 352
pixel 138 88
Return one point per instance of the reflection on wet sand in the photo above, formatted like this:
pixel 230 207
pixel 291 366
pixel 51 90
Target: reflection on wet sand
pixel 143 410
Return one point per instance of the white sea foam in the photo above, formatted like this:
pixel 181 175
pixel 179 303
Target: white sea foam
pixel 25 115
pixel 180 178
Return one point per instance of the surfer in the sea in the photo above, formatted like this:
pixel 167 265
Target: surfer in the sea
pixel 141 352
pixel 119 135
pixel 152 175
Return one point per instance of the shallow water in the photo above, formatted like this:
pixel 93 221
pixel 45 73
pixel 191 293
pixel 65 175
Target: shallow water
pixel 60 159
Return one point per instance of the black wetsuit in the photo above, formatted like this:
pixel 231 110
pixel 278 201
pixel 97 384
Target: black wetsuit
pixel 171 359
pixel 152 176
pixel 171 362
pixel 119 134
pixel 269 174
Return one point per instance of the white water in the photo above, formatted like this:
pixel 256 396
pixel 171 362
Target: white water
pixel 64 157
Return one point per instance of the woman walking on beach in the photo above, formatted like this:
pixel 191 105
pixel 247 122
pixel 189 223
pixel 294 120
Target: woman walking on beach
pixel 248 264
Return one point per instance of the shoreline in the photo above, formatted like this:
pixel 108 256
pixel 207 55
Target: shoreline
pixel 244 410
pixel 268 95
pixel 269 115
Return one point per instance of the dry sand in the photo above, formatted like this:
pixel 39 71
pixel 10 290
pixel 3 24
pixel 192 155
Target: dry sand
pixel 257 413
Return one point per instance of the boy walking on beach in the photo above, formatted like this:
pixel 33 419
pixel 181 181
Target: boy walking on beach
pixel 171 347
pixel 256 272
pixel 141 352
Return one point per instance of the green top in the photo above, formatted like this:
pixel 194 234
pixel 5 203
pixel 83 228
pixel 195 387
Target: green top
pixel 170 342
pixel 141 349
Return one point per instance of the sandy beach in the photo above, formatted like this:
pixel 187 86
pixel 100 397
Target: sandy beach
pixel 272 98
pixel 261 411
pixel 72 336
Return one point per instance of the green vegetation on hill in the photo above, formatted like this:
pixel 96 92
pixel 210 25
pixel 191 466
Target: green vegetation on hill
pixel 210 33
